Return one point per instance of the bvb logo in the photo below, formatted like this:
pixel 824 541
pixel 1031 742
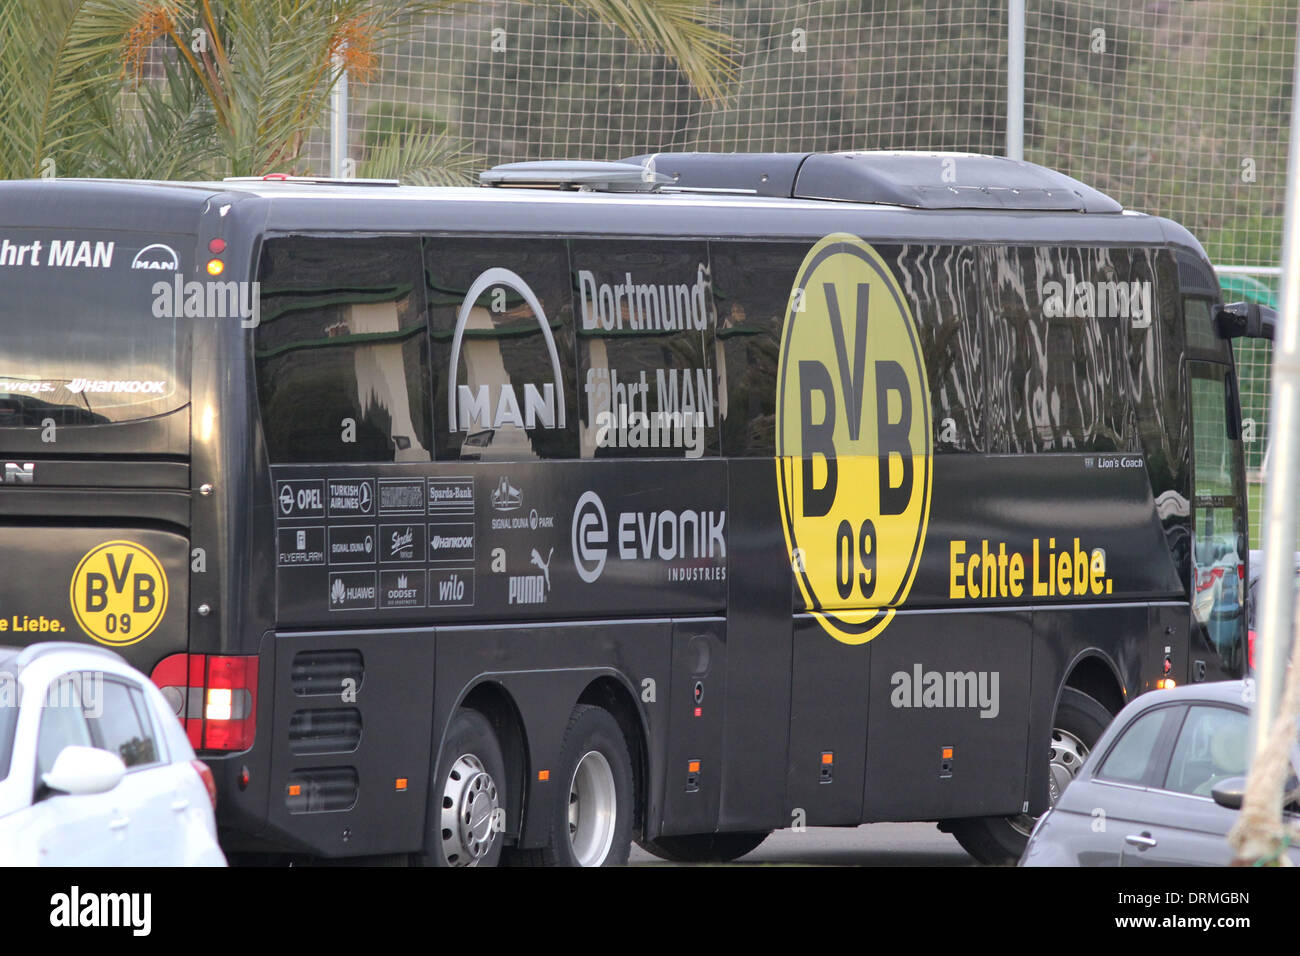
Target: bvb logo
pixel 853 439
pixel 119 593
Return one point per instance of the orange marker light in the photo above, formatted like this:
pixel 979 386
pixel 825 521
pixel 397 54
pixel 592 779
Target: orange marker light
pixel 947 753
pixel 828 758
pixel 401 783
pixel 693 766
pixel 294 790
pixel 216 267
pixel 1166 683
pixel 543 775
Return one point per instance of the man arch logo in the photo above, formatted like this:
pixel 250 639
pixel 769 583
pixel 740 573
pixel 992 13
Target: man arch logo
pixel 853 439
pixel 490 401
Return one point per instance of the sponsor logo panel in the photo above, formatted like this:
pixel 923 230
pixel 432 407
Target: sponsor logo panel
pixel 402 588
pixel 301 498
pixel 401 496
pixel 401 542
pixel 692 544
pixel 451 496
pixel 451 542
pixel 352 591
pixel 351 497
pixel 352 544
pixel 301 547
pixel 451 587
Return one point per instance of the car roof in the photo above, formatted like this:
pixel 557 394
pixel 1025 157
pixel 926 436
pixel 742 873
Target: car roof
pixel 1219 692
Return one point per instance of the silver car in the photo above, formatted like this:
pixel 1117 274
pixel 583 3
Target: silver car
pixel 1159 789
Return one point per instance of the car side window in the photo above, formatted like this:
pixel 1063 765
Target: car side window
pixel 120 724
pixel 62 725
pixel 1130 758
pixel 1211 747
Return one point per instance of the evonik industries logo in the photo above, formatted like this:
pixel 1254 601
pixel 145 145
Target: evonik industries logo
pixel 646 536
pixel 496 405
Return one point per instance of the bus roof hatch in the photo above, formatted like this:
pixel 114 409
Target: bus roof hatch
pixel 912 179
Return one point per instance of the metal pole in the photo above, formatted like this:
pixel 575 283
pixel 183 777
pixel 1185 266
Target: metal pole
pixel 1016 79
pixel 1283 479
pixel 339 123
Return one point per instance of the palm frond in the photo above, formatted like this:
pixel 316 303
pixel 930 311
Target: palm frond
pixel 421 159
pixel 687 31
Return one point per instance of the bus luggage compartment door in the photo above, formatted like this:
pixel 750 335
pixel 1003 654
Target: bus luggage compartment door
pixel 949 715
pixel 694 767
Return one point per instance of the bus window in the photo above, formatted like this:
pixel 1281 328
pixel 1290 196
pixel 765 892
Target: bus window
pixel 341 351
pixel 752 285
pixel 1058 341
pixel 647 371
pixel 501 324
pixel 942 287
pixel 92 335
pixel 751 293
pixel 1219 542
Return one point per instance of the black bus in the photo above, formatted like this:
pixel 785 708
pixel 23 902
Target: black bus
pixel 675 501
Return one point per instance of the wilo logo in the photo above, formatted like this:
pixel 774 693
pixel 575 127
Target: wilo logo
pixel 208 300
pixel 1098 300
pixel 956 689
pixel 496 405
pixel 157 258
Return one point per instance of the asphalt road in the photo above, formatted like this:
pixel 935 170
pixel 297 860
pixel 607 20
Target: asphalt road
pixel 874 844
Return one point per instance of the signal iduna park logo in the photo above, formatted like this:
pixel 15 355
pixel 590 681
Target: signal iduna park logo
pixel 853 440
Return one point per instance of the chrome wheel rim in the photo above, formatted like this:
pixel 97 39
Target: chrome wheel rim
pixel 469 810
pixel 1065 756
pixel 593 809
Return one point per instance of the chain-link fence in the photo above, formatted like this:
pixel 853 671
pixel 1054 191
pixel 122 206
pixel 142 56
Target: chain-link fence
pixel 1174 107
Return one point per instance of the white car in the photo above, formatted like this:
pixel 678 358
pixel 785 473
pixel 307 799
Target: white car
pixel 95 770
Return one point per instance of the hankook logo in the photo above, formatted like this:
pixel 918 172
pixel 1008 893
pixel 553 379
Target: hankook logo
pixel 490 406
pixel 590 536
pixel 157 257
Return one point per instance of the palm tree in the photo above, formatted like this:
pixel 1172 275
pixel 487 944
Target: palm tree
pixel 241 83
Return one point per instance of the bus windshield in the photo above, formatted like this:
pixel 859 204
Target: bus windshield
pixel 91 334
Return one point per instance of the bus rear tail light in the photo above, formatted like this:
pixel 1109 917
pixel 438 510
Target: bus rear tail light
pixel 214 697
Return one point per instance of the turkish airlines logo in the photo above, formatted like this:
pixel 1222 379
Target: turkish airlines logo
pixel 482 406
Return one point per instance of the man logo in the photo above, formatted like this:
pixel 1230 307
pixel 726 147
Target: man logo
pixel 590 536
pixel 157 257
pixel 854 447
pixel 471 409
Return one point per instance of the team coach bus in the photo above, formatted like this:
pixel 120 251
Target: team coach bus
pixel 675 501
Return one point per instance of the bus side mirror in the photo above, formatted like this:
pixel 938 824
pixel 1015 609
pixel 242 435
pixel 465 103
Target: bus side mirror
pixel 1245 319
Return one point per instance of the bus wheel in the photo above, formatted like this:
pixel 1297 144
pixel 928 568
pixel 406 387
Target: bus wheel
pixel 466 796
pixel 703 847
pixel 591 823
pixel 1079 723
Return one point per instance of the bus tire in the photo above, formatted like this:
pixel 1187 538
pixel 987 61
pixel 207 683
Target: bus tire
pixel 704 847
pixel 591 819
pixel 467 796
pixel 1000 841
